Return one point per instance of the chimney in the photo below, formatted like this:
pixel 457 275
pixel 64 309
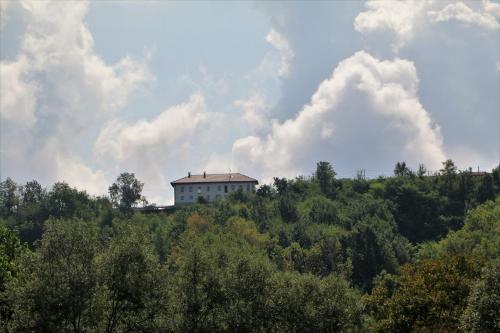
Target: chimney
pixel 204 174
pixel 189 174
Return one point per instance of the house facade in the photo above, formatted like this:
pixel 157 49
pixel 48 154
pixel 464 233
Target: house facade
pixel 211 187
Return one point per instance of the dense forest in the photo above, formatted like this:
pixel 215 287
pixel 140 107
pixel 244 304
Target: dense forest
pixel 409 253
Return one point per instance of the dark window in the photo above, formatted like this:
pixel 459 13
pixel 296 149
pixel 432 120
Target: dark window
pixel 248 187
pixel 190 189
pixel 182 197
pixel 225 188
pixel 182 188
pixel 208 188
pixel 218 188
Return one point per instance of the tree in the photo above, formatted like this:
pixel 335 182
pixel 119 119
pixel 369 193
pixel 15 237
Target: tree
pixel 131 283
pixel 421 170
pixel 481 314
pixel 325 175
pixel 401 170
pixel 430 296
pixel 9 199
pixel 10 251
pixel 486 189
pixel 323 210
pixel 32 193
pixel 265 191
pixel 374 246
pixel 54 287
pixel 306 303
pixel 480 235
pixel 125 193
pixel 281 185
pixel 449 169
pixel 288 209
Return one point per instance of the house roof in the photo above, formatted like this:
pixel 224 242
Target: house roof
pixel 214 178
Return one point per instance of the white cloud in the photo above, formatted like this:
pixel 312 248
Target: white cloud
pixel 280 43
pixel 256 111
pixel 56 90
pixel 121 141
pixel 400 17
pixel 18 93
pixel 76 173
pixel 206 83
pixel 491 8
pixel 151 148
pixel 4 17
pixel 405 18
pixel 461 12
pixel 368 110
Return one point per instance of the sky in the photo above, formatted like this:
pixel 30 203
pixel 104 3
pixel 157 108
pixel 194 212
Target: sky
pixel 89 90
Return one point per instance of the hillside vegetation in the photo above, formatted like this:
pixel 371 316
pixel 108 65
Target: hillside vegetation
pixel 408 253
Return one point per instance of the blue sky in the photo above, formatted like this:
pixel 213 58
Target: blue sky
pixel 92 89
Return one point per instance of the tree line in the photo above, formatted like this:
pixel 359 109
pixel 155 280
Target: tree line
pixel 407 253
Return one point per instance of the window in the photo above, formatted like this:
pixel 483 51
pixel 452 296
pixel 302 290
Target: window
pixel 248 187
pixel 240 187
pixel 182 198
pixel 190 189
pixel 218 188
pixel 225 188
pixel 232 187
pixel 208 188
pixel 208 197
pixel 199 189
pixel 182 188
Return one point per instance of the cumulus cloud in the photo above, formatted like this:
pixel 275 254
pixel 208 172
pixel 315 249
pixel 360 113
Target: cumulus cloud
pixel 256 111
pixel 55 91
pixel 122 141
pixel 281 44
pixel 150 147
pixel 462 13
pixel 404 18
pixel 4 17
pixel 400 17
pixel 367 111
pixel 18 93
pixel 76 173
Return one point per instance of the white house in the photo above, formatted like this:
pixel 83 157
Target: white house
pixel 210 186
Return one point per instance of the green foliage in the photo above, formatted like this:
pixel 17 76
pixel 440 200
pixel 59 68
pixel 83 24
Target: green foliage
pixel 479 236
pixel 430 296
pixel 53 290
pixel 287 208
pixel 125 193
pixel 415 209
pixel 130 292
pixel 374 246
pixel 11 250
pixel 322 211
pixel 325 176
pixel 281 260
pixel 481 314
pixel 306 303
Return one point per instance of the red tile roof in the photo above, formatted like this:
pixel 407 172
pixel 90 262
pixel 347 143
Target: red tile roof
pixel 214 178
